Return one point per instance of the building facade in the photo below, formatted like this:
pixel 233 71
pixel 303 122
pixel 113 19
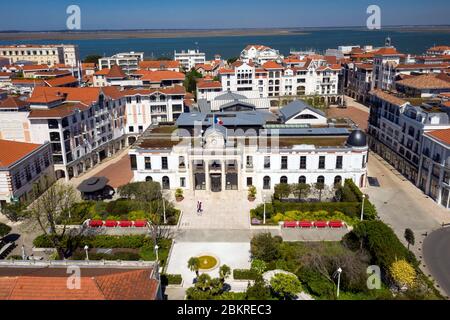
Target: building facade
pixel 127 61
pixel 26 169
pixel 42 54
pixel 188 59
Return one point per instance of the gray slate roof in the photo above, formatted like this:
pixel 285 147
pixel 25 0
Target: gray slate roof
pixel 295 107
pixel 242 118
pixel 230 96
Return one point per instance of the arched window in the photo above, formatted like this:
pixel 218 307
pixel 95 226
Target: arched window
pixel 165 183
pixel 148 179
pixel 321 179
pixel 302 179
pixel 338 181
pixel 266 183
pixel 284 179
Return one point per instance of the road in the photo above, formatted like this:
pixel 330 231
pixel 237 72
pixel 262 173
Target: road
pixel 436 251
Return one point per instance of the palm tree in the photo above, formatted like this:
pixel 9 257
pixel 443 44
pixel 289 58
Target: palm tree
pixel 194 265
pixel 204 282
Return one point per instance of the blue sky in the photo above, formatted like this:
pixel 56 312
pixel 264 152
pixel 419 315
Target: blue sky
pixel 181 14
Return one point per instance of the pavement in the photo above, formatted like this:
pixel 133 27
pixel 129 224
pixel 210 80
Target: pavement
pixel 354 111
pixel 436 251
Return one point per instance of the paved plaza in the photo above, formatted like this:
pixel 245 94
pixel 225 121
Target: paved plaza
pixel 235 255
pixel 223 210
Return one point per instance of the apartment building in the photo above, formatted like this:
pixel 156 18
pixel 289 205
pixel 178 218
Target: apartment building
pixel 26 169
pixel 216 156
pixel 434 172
pixel 359 81
pixel 312 76
pixel 396 129
pixel 260 54
pixel 83 125
pixel 150 107
pixel 42 54
pixel 188 59
pixel 127 61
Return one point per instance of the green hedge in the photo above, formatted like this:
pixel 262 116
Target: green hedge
pixel 168 279
pixel 244 274
pixel 100 241
pixel 4 229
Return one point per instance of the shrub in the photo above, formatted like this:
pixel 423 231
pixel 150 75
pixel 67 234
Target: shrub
pixel 315 283
pixel 100 241
pixel 265 247
pixel 403 273
pixel 252 191
pixel 4 229
pixel 124 256
pixel 171 279
pixel 245 274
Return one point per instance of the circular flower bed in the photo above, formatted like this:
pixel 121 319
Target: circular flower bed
pixel 208 262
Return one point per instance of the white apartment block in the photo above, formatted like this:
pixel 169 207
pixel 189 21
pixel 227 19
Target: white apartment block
pixel 42 54
pixel 26 169
pixel 188 59
pixel 127 61
pixel 260 54
pixel 311 77
pixel 150 107
pixel 83 125
pixel 434 172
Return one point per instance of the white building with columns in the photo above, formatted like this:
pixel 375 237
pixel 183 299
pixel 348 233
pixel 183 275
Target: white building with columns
pixel 245 150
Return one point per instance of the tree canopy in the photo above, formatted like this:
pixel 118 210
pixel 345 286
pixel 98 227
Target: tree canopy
pixel 93 58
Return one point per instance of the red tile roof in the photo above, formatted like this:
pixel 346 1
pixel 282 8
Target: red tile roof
pixel 175 90
pixel 209 84
pixel 388 97
pixel 159 75
pixel 13 151
pixel 427 81
pixel 87 95
pixel 117 285
pixel 159 64
pixel 35 67
pixel 13 103
pixel 61 111
pixel 441 135
pixel 272 65
pixel 387 51
pixel 116 72
pixel 61 81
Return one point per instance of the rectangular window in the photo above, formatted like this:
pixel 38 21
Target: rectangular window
pixel 364 161
pixel 303 162
pixel 164 163
pixel 284 163
pixel 181 162
pixel 249 182
pixel 183 182
pixel 249 162
pixel 339 162
pixel 148 163
pixel 131 128
pixel 133 162
pixel 267 162
pixel 322 162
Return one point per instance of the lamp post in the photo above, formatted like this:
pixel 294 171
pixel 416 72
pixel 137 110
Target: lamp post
pixel 23 253
pixel 339 271
pixel 264 214
pixel 362 207
pixel 164 208
pixel 86 248
pixel 156 252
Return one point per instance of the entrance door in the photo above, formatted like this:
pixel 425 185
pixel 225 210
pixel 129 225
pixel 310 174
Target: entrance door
pixel 216 183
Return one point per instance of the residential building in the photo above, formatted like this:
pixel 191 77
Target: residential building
pixel 384 62
pixel 83 125
pixel 439 50
pixel 26 169
pixel 434 172
pixel 98 280
pixel 127 61
pixel 260 54
pixel 359 81
pixel 106 77
pixel 150 107
pixel 424 86
pixel 234 150
pixel 41 54
pixel 157 79
pixel 396 129
pixel 188 59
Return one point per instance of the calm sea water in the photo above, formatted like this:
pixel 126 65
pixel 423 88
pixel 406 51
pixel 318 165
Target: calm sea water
pixel 230 46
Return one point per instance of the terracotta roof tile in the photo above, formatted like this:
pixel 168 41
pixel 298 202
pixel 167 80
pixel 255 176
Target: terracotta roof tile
pixel 159 64
pixel 159 75
pixel 427 81
pixel 13 103
pixel 61 81
pixel 12 151
pixel 388 97
pixel 441 135
pixel 272 65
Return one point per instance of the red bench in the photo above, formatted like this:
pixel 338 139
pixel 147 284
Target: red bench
pixel 140 223
pixel 95 223
pixel 125 224
pixel 290 224
pixel 305 224
pixel 336 224
pixel 320 224
pixel 110 223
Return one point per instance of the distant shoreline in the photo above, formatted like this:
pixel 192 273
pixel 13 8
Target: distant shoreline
pixel 155 34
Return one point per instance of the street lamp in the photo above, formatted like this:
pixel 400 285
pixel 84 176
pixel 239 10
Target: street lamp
pixel 339 271
pixel 23 253
pixel 156 252
pixel 86 248
pixel 264 215
pixel 362 207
